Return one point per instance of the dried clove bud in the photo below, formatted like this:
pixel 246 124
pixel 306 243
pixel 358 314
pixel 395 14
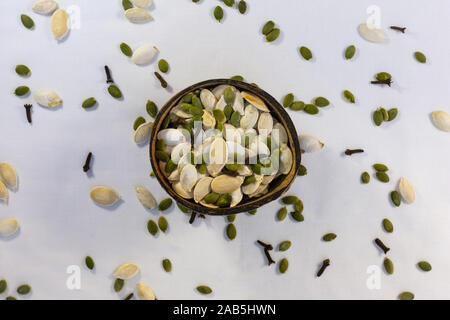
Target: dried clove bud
pixel 192 218
pixel 325 264
pixel 128 297
pixel 161 79
pixel 267 247
pixel 28 111
pixel 382 245
pixel 87 164
pixel 401 29
pixel 109 79
pixel 387 81
pixel 349 152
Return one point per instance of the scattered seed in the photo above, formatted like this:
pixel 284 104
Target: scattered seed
pixel 420 57
pixel 23 70
pixel 231 231
pixel 388 266
pixel 377 117
pixel 297 106
pixel 385 114
pixel 311 109
pixel 297 216
pixel 290 200
pixel 89 262
pixel 282 213
pixel 89 103
pixel 163 65
pixel 242 6
pixel 218 13
pixel 10 298
pixel 406 296
pixel 21 91
pixel 383 76
pixel 329 237
pixel 204 289
pixel 235 119
pixel 167 265
pixel 231 218
pixel 424 266
pixel 161 155
pixel 27 21
pixel 395 197
pixel 3 286
pixel 182 208
pixel 288 100
pixel 350 52
pixel 321 102
pixel 126 50
pixel 228 3
pixel 152 110
pixel 273 35
pixel 104 196
pixel 23 289
pixel 237 77
pixel 388 226
pixel 302 171
pixel 163 224
pixel 268 27
pixel 382 176
pixel 118 284
pixel 126 4
pixel 152 227
pixel 392 113
pixel 211 198
pixel 165 204
pixel 306 53
pixel 114 91
pixel 284 265
pixel 380 167
pixel 365 177
pixel 349 96
pixel 285 245
pixel 253 212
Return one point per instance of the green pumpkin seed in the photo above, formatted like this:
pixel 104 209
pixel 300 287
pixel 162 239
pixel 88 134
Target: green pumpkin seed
pixel 114 91
pixel 201 168
pixel 126 50
pixel 237 78
pixel 234 166
pixel 256 168
pixel 290 200
pixel 182 208
pixel 268 26
pixel 152 227
pixel 288 100
pixel 165 123
pixel 89 103
pixel 253 212
pixel 3 286
pixel 161 155
pixel 160 145
pixel 231 218
pixel 235 119
pixel 170 166
pixel 218 13
pixel 196 101
pixel 297 106
pixel 377 117
pixel 285 245
pixel 211 198
pixel 126 4
pixel 165 204
pixel 167 265
pixel 284 265
pixel 118 284
pixel 396 199
pixel 420 57
pixel 195 1
pixel 350 52
pixel 365 177
pixel 242 7
pixel 10 298
pixel 298 206
pixel 321 102
pixel 311 109
pixel 21 91
pixel 188 98
pixel 297 215
pixel 388 266
pixel 254 84
pixel 139 121
pixel 231 231
pixel 392 114
pixel 406 296
pixel 385 114
pixel 195 111
pixel 24 289
pixel 228 95
pixel 380 167
pixel 388 226
pixel 228 3
pixel 248 180
pixel 204 289
pixel 383 76
pixel 27 21
pixel 382 176
pixel 329 237
pixel 306 53
pixel 349 96
pixel 163 66
pixel 302 171
pixel 151 108
pixel 23 70
pixel 152 174
pixel 224 200
pixel 424 266
pixel 219 126
pixel 273 35
pixel 89 262
pixel 228 111
pixel 282 213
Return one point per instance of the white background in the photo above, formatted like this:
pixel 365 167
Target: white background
pixel 60 225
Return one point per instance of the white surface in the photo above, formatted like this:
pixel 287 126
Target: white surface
pixel 60 225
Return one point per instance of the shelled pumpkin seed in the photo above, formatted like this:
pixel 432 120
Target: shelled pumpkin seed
pixel 218 13
pixel 424 266
pixel 89 262
pixel 163 224
pixel 329 237
pixel 167 265
pixel 152 227
pixel 349 96
pixel 420 57
pixel 163 65
pixel 118 284
pixel 388 226
pixel 23 70
pixel 89 103
pixel 126 50
pixel 350 52
pixel 242 6
pixel 305 53
pixel 27 21
pixel 204 289
pixel 284 265
pixel 231 231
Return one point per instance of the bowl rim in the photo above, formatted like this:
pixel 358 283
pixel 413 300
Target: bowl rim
pixel 247 206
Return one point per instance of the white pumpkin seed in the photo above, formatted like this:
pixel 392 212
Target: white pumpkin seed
pixel 252 187
pixel 126 271
pixel 3 192
pixel 310 143
pixel 236 197
pixel 268 179
pixel 250 117
pixel 104 196
pixel 208 99
pixel 180 113
pixel 285 159
pixel 60 24
pixel 220 89
pixel 209 122
pixel 260 148
pixel 261 190
pixel 218 154
pixel 406 190
pixel 265 123
pixel 142 133
pixel 8 227
pixel 188 177
pixel 234 148
pixel 221 104
pixel 208 205
pixel 372 33
pixel 442 120
pixel 202 188
pixel 142 3
pixel 238 104
pixel 137 15
pixel 47 98
pixel 225 184
pixel 245 171
pixel 8 175
pixel 181 191
pixel 171 136
pixel 144 54
pixel 144 291
pixel 255 101
pixel 174 176
pixel 231 133
pixel 145 197
pixel 279 134
pixel 179 151
pixel 45 6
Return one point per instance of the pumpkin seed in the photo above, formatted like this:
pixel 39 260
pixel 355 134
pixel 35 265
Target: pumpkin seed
pixel 385 114
pixel 152 227
pixel 311 109
pixel 237 78
pixel 273 35
pixel 424 266
pixel 196 101
pixel 350 52
pixel 229 95
pixel 383 76
pixel 188 98
pixel 182 208
pixel 195 111
pixel 170 166
pixel 118 284
pixel 218 13
pixel 10 298
pixel 441 120
pixel 60 23
pixel 163 65
pixel 126 271
pixel 406 190
pixel 284 265
pixel 8 227
pixel 3 286
pixel 44 6
pixel 380 167
pixel 297 106
pixel 126 50
pixel 8 175
pixel 204 289
pixel 388 266
pixel 27 21
pixel 89 262
pixel 138 122
pixel 152 109
pixel 268 26
pixel 231 231
pixel 89 103
pixel 388 226
pixel 231 218
pixel 228 3
pixel 253 212
pixel 298 206
pixel 371 32
pixel 24 289
pixel 329 237
pixel 406 296
pixel 377 117
pixel 47 98
pixel 114 91
pixel 392 113
pixel 228 111
pixel 242 7
pixel 235 119
pixel 297 215
pixel 306 53
pixel 288 100
pixel 167 265
pixel 211 198
pixel 285 245
pixel 21 91
pixel 152 174
pixel 248 180
pixel 104 196
pixel 349 96
pixel 145 197
pixel 145 292
pixel 163 224
pixel 126 4
pixel 23 70
pixel 219 115
pixel 290 200
pixel 137 15
pixel 420 57
pixel 382 176
pixel 161 155
pixel 201 168
pixel 395 197
pixel 321 102
pixel 224 200
pixel 165 204
pixel 302 171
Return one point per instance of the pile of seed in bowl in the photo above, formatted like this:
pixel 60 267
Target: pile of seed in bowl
pixel 222 146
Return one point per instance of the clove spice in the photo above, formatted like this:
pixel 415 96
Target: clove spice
pixel 192 218
pixel 325 264
pixel 382 245
pixel 28 111
pixel 387 81
pixel 349 152
pixel 161 79
pixel 87 164
pixel 267 247
pixel 109 78
pixel 128 297
pixel 401 29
